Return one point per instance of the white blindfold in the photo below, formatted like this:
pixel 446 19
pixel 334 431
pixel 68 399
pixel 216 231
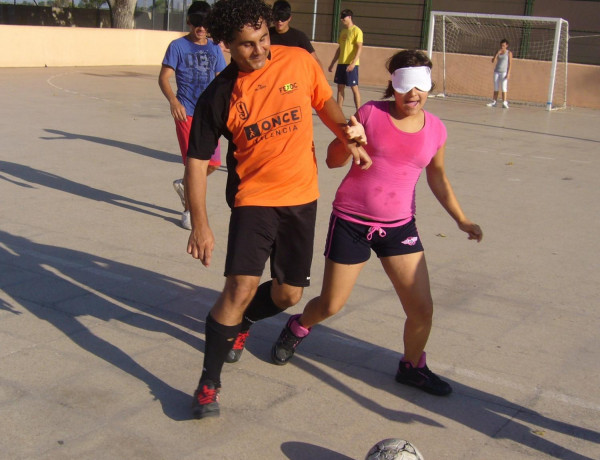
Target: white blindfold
pixel 407 78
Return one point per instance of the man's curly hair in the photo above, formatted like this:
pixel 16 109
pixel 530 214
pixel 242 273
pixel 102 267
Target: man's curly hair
pixel 230 16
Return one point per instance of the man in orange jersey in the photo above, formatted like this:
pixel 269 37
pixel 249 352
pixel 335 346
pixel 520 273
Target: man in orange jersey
pixel 262 103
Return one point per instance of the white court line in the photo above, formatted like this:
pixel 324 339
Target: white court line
pixel 135 105
pixel 60 88
pixel 510 154
pixel 585 162
pixel 542 158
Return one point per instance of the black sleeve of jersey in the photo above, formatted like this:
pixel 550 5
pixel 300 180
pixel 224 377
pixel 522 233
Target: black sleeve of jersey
pixel 211 114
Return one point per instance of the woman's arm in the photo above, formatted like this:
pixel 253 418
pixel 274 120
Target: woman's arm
pixel 442 190
pixel 337 155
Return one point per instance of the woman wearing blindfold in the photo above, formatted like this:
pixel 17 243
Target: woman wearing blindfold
pixel 374 209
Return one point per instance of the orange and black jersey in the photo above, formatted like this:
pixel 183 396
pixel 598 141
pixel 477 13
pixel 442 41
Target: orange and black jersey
pixel 266 115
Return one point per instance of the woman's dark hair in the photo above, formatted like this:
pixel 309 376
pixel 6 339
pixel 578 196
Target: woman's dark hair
pixel 230 16
pixel 504 40
pixel 406 58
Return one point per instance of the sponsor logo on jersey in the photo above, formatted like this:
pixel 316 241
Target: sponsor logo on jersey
pixel 274 125
pixel 288 88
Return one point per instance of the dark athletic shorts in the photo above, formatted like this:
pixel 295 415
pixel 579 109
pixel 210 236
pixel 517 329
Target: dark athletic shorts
pixel 285 234
pixel 350 243
pixel 346 78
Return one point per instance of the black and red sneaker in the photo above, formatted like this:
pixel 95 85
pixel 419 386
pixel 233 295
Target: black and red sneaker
pixel 206 400
pixel 235 353
pixel 422 378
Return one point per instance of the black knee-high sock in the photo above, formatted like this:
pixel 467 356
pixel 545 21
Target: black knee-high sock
pixel 219 340
pixel 261 306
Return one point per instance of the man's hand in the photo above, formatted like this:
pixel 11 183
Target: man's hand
pixel 201 244
pixel 350 67
pixel 355 131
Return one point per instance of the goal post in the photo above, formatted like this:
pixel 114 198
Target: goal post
pixel 461 45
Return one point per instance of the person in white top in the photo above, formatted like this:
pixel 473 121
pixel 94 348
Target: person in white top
pixel 503 59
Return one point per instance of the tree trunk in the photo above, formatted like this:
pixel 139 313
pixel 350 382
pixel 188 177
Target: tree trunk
pixel 122 13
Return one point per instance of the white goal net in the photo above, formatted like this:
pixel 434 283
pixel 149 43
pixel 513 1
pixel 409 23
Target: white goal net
pixel 461 46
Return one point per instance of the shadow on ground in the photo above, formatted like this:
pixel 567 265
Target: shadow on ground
pixel 134 148
pixel 69 286
pixel 46 179
pixel 478 410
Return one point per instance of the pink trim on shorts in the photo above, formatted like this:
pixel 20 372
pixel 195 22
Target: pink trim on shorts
pixel 334 219
pixel 182 129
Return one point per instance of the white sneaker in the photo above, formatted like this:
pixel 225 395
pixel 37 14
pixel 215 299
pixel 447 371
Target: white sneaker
pixel 178 186
pixel 186 220
pixel 491 104
pixel 504 104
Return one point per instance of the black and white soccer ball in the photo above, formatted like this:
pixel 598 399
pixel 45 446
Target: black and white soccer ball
pixel 394 449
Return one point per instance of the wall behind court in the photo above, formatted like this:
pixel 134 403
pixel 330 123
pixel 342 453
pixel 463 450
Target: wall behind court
pixel 37 46
pixel 404 23
pixel 582 81
pixel 387 23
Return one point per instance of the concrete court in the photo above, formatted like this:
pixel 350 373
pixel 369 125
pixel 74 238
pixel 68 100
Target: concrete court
pixel 102 311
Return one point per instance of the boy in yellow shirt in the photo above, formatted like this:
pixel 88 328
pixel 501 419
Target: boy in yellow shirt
pixel 347 58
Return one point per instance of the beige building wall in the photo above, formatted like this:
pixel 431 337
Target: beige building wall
pixel 37 46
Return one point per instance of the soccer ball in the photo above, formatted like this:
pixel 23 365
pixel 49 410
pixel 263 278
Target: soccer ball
pixel 394 449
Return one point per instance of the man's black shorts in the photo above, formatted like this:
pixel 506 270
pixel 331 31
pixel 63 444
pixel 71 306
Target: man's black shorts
pixel 285 234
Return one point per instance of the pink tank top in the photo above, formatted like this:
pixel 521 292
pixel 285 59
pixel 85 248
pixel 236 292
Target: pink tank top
pixel 384 194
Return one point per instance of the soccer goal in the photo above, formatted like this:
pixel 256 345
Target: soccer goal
pixel 461 46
